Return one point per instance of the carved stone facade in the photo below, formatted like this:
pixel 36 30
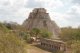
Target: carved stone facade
pixel 39 18
pixel 53 45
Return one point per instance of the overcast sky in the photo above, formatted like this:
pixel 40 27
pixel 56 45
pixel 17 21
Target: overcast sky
pixel 63 12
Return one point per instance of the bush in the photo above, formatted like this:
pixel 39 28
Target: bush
pixel 46 34
pixel 72 37
pixel 10 43
pixel 75 47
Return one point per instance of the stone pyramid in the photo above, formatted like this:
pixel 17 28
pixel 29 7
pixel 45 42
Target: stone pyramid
pixel 39 18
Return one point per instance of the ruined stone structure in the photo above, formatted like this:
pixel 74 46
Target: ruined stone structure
pixel 39 18
pixel 53 45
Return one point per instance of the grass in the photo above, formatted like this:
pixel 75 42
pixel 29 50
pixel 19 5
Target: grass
pixel 10 42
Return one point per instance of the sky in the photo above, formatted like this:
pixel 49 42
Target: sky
pixel 64 12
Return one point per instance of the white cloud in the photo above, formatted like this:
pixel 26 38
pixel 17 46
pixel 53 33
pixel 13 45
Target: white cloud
pixel 76 1
pixel 44 3
pixel 72 16
pixel 54 4
pixel 13 10
pixel 18 10
pixel 59 18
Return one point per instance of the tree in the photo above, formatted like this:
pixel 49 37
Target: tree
pixel 45 34
pixel 12 25
pixel 35 32
pixel 72 37
pixel 70 34
pixel 41 33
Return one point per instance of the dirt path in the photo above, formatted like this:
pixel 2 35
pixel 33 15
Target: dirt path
pixel 33 49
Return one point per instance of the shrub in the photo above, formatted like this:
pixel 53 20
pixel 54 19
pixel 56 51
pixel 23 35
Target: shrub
pixel 10 43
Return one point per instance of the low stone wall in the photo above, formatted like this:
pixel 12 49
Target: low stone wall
pixel 53 44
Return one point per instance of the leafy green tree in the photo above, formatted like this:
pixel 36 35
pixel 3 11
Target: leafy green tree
pixel 35 32
pixel 46 34
pixel 40 33
pixel 25 36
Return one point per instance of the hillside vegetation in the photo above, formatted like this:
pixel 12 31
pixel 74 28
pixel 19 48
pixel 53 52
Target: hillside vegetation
pixel 9 41
pixel 13 37
pixel 72 37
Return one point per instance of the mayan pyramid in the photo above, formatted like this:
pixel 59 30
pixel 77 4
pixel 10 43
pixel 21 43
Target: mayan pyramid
pixel 39 18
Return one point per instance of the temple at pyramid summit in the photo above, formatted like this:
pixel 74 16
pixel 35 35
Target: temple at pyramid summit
pixel 39 18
